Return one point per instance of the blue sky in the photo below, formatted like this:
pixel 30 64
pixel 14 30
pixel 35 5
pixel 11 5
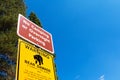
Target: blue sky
pixel 86 35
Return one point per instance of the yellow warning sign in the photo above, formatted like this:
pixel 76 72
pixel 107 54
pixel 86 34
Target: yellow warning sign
pixel 34 63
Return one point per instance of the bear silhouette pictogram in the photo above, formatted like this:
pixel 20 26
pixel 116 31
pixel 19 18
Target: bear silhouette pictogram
pixel 39 59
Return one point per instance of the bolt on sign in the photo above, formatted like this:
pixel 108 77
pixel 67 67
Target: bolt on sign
pixel 34 34
pixel 34 63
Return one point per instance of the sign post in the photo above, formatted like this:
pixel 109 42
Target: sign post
pixel 34 63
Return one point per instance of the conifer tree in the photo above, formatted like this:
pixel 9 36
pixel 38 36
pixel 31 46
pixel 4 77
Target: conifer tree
pixel 9 10
pixel 32 17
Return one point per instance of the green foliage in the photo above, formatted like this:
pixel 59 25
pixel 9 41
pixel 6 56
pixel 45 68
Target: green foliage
pixel 8 41
pixel 9 10
pixel 34 19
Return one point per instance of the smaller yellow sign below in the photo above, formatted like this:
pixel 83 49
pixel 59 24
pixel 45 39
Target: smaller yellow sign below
pixel 34 63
